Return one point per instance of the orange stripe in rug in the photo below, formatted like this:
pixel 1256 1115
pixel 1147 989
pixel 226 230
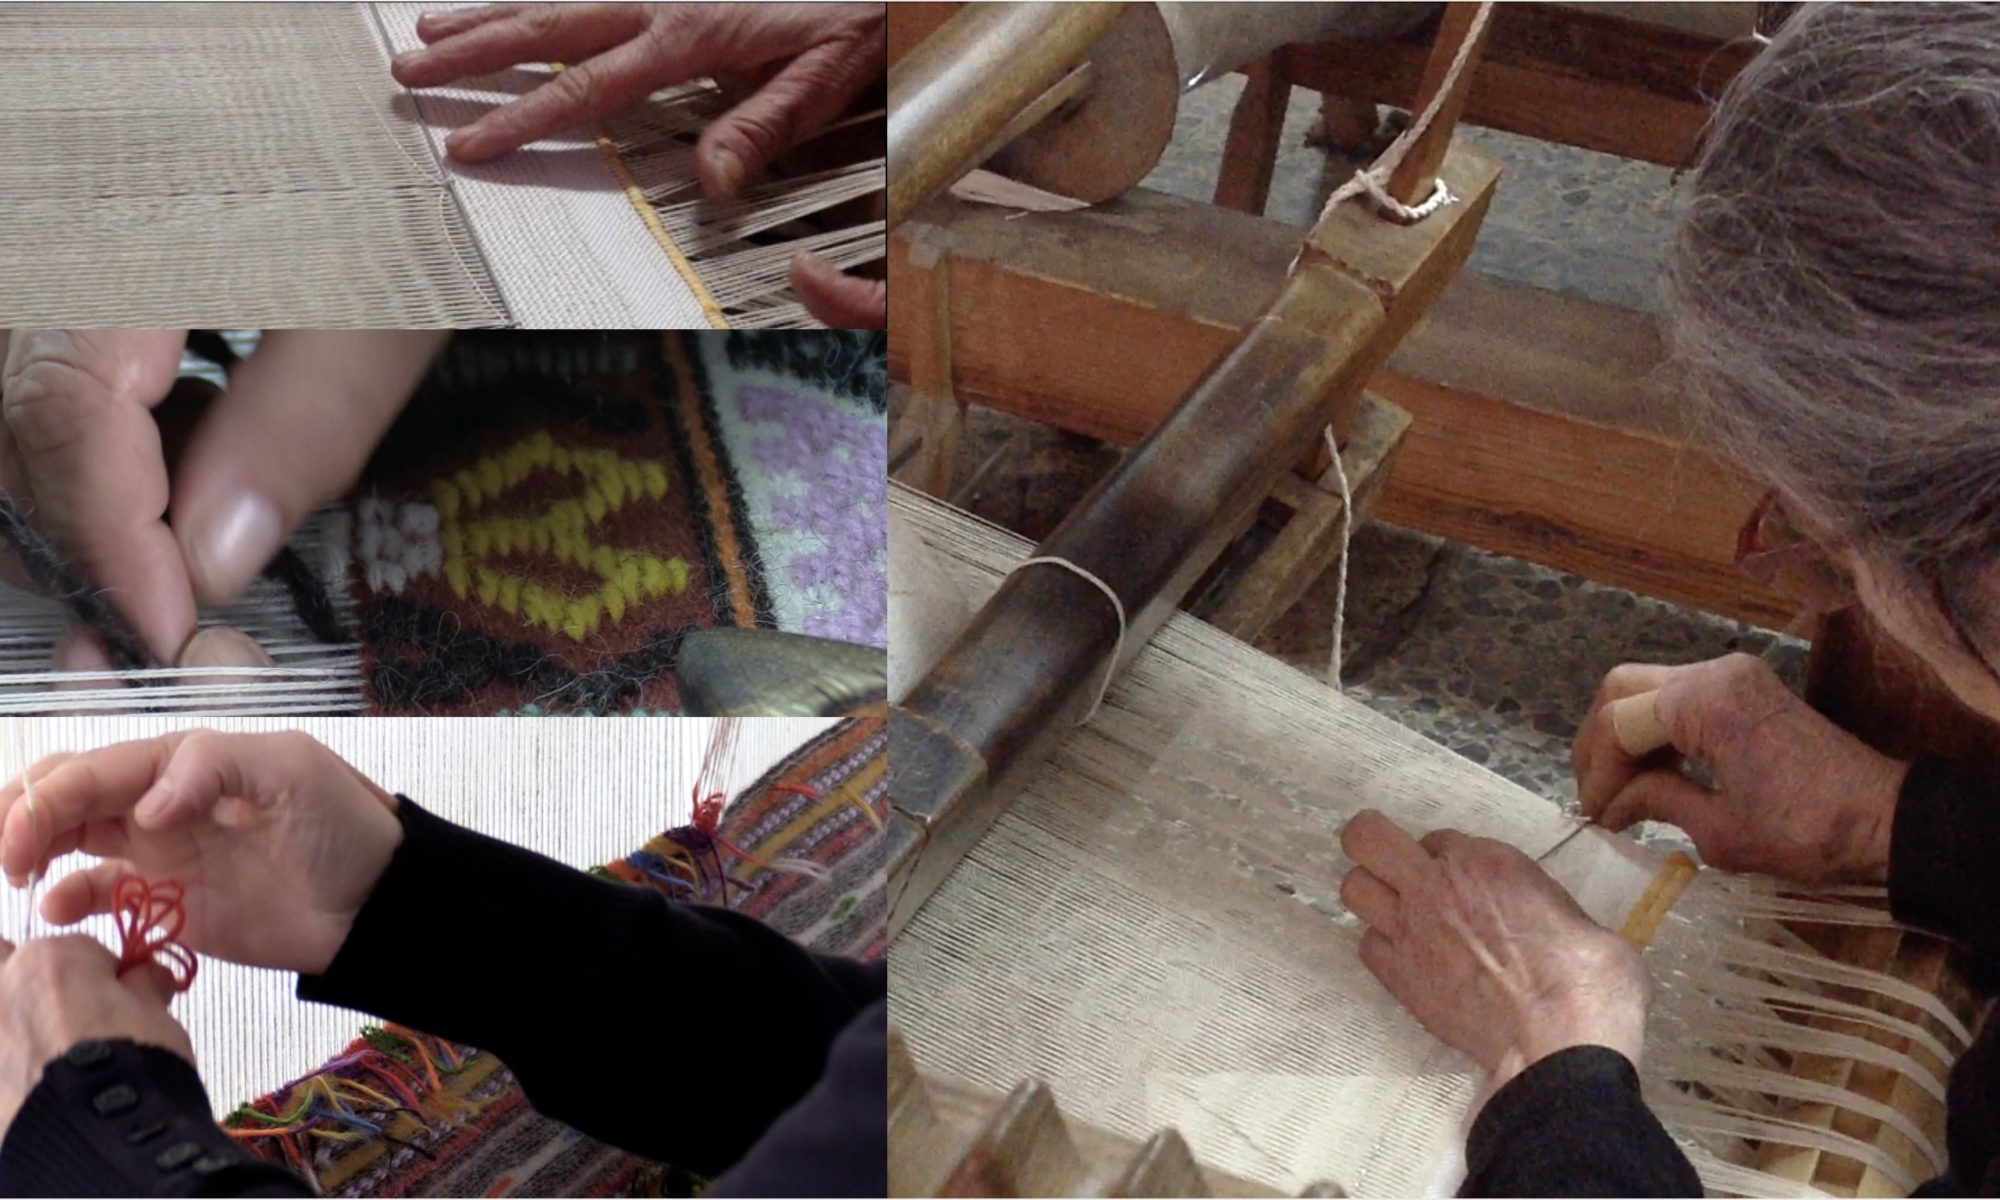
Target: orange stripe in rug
pixel 705 456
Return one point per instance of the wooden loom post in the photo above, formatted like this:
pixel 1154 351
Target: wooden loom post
pixel 1032 659
pixel 953 95
pixel 1413 177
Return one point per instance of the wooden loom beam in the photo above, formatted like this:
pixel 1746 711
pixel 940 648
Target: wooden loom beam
pixel 1581 78
pixel 1539 432
pixel 1031 660
pixel 954 96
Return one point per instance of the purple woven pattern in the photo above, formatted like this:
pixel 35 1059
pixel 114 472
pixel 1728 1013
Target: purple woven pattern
pixel 813 458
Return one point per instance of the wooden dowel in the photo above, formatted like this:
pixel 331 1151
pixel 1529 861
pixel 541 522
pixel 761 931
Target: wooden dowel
pixel 1413 178
pixel 1637 725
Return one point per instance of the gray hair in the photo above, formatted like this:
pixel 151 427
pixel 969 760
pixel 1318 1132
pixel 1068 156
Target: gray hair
pixel 1835 281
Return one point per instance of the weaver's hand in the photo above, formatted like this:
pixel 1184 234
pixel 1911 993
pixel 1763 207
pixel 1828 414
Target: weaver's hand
pixel 805 63
pixel 82 453
pixel 1794 795
pixel 1486 951
pixel 56 992
pixel 275 840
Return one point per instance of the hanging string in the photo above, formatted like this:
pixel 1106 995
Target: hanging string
pixel 1340 580
pixel 150 920
pixel 1372 180
pixel 1117 606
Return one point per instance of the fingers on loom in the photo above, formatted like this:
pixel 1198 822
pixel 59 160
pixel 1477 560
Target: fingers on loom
pixel 506 37
pixel 1391 855
pixel 599 87
pixel 836 300
pixel 1375 902
pixel 795 103
pixel 294 429
pixel 76 411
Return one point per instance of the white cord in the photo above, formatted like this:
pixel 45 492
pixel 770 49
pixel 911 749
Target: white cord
pixel 1340 578
pixel 1117 606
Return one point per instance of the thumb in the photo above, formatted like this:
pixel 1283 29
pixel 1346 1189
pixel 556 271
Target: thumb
pixel 297 424
pixel 836 300
pixel 799 100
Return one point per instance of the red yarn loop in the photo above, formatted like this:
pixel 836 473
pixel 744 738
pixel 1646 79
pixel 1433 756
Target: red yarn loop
pixel 150 920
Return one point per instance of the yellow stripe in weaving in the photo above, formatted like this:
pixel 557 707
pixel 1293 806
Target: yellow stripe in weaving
pixel 776 844
pixel 637 195
pixel 1644 921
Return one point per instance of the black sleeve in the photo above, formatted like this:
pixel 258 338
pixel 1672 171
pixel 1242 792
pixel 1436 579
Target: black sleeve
pixel 593 992
pixel 1942 849
pixel 1574 1124
pixel 117 1118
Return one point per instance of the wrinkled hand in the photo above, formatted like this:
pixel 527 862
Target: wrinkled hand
pixel 805 62
pixel 1795 795
pixel 56 992
pixel 1486 951
pixel 274 839
pixel 81 452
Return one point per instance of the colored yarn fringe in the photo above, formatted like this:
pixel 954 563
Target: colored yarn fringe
pixel 150 919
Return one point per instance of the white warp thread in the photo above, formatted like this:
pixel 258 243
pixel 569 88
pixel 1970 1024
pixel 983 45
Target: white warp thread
pixel 1340 582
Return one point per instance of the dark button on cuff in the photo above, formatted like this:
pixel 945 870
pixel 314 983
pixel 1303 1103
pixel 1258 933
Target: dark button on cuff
pixel 145 1133
pixel 88 1054
pixel 114 1100
pixel 178 1155
pixel 209 1164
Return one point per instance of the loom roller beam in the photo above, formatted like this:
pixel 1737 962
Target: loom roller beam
pixel 1080 99
pixel 1029 663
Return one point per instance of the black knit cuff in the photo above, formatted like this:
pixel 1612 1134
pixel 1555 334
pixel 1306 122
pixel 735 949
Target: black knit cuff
pixel 115 1118
pixel 1574 1124
pixel 1943 846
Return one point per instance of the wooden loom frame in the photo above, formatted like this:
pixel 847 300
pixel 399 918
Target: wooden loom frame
pixel 982 302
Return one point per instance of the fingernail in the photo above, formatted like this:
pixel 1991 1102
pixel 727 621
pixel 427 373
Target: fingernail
pixel 242 535
pixel 402 63
pixel 726 169
pixel 222 646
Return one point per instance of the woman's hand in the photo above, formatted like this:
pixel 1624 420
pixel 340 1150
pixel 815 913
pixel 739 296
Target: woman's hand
pixel 1795 795
pixel 803 65
pixel 56 992
pixel 81 453
pixel 275 841
pixel 1486 951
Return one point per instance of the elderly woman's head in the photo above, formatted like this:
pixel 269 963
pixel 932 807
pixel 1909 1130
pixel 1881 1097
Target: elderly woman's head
pixel 1836 293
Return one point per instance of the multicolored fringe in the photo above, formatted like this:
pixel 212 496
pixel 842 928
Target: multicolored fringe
pixel 401 1113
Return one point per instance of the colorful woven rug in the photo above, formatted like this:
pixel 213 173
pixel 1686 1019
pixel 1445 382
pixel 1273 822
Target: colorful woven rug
pixel 399 1113
pixel 555 512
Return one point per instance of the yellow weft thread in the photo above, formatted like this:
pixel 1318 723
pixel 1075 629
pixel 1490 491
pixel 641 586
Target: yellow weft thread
pixel 637 196
pixel 1644 920
pixel 473 544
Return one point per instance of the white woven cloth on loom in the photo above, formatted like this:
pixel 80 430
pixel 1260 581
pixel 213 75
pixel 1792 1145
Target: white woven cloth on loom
pixel 553 222
pixel 1154 928
pixel 582 792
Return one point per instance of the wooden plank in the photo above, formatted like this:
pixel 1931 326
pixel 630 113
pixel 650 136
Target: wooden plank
pixel 1580 78
pixel 1554 397
pixel 1250 152
pixel 933 415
